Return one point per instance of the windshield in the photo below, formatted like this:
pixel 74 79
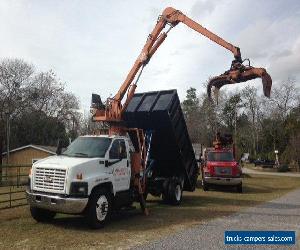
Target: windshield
pixel 88 147
pixel 220 156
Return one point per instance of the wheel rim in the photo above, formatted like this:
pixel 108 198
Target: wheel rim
pixel 178 192
pixel 102 208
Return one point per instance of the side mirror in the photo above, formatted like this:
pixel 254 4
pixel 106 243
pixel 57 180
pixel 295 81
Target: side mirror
pixel 106 163
pixel 59 147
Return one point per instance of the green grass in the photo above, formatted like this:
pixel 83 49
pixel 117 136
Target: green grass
pixel 131 228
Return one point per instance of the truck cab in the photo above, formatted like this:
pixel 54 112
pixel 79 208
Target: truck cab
pixel 220 168
pixel 92 175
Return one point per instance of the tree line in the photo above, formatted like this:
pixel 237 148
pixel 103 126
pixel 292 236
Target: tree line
pixel 259 125
pixel 39 110
pixel 35 108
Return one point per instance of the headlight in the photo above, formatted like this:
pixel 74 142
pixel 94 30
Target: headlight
pixel 79 189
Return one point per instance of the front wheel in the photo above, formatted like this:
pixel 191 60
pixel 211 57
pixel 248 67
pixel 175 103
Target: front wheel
pixel 41 215
pixel 205 185
pixel 99 208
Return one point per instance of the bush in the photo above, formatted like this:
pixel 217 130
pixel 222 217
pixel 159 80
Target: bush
pixel 283 168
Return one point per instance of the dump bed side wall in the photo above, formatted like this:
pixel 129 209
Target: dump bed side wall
pixel 161 112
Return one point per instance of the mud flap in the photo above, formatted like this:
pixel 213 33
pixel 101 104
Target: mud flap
pixel 141 199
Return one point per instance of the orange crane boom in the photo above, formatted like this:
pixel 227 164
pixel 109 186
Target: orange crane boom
pixel 112 111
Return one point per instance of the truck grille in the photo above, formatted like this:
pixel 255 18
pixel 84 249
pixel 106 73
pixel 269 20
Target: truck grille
pixel 50 179
pixel 223 170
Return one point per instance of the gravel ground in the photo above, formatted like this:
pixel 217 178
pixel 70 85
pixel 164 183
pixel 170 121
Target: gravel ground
pixel 279 214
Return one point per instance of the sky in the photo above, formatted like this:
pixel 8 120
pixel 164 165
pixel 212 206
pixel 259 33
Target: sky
pixel 92 45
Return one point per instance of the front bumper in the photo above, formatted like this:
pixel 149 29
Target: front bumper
pixel 56 203
pixel 226 181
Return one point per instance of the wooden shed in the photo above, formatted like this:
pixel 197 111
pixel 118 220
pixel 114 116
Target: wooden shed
pixel 17 168
pixel 28 154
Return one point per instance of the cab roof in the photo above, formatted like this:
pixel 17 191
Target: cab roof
pixel 104 136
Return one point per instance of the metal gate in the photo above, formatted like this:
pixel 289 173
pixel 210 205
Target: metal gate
pixel 13 181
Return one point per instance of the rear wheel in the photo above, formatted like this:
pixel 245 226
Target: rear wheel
pixel 165 192
pixel 172 193
pixel 41 215
pixel 175 192
pixel 99 208
pixel 239 188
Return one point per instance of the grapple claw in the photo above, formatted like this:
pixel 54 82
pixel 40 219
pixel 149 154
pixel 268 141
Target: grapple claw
pixel 267 84
pixel 239 74
pixel 217 82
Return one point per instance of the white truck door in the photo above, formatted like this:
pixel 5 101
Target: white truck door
pixel 118 158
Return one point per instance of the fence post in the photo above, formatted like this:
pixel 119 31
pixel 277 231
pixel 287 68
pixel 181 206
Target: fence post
pixel 1 147
pixel 18 176
pixel 10 196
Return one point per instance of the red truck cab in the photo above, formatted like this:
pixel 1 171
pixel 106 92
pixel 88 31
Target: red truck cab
pixel 219 167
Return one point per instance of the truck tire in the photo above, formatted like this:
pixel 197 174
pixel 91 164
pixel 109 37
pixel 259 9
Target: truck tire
pixel 205 186
pixel 99 208
pixel 165 191
pixel 239 188
pixel 175 192
pixel 41 215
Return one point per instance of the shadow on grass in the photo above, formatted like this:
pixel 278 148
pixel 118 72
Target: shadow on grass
pixel 135 221
pixel 194 201
pixel 194 208
pixel 232 189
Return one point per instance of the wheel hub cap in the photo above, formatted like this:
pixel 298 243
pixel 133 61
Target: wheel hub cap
pixel 101 208
pixel 178 192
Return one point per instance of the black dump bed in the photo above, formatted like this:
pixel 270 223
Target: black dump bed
pixel 171 148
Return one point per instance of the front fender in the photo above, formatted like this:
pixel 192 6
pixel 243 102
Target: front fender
pixel 101 180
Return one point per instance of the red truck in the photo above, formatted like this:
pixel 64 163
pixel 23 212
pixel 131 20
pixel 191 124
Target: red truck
pixel 219 166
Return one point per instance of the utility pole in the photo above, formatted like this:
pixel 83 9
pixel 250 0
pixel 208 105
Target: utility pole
pixel 7 136
pixel 276 158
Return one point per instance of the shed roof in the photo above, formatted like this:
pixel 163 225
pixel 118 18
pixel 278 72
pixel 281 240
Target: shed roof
pixel 47 149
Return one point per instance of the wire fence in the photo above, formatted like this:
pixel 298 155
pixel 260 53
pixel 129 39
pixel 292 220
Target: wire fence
pixel 13 182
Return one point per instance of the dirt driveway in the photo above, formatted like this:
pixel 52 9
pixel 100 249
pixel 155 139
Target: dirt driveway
pixel 276 215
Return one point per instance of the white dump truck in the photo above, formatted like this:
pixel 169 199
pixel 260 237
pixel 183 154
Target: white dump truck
pixel 97 174
pixel 85 178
